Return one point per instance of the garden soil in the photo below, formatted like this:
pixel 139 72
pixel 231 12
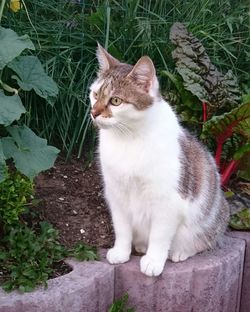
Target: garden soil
pixel 71 199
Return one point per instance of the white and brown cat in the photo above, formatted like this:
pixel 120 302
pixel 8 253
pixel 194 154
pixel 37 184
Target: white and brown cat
pixel 162 186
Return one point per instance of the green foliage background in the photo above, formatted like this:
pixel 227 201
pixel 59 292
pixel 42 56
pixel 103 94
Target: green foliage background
pixel 65 35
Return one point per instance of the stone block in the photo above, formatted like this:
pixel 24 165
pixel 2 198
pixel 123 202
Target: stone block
pixel 245 292
pixel 88 288
pixel 209 282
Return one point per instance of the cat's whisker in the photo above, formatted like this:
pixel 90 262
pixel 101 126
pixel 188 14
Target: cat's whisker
pixel 118 129
pixel 125 129
pixel 121 130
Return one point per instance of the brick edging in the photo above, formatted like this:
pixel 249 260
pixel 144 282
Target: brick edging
pixel 210 282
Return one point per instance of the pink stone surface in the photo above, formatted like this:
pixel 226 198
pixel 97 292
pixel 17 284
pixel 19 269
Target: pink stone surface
pixel 245 291
pixel 209 282
pixel 88 288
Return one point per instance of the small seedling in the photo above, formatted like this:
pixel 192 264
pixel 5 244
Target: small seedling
pixel 120 305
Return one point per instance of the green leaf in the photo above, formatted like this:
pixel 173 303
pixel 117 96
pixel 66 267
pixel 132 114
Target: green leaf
pixel 120 305
pixel 243 150
pixel 31 75
pixel 200 76
pixel 11 108
pixel 187 98
pixel 245 98
pixel 241 220
pixel 12 45
pixel 236 121
pixel 30 153
pixel 83 252
pixel 244 168
pixel 244 174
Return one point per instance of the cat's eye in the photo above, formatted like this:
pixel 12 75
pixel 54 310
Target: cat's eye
pixel 95 95
pixel 115 101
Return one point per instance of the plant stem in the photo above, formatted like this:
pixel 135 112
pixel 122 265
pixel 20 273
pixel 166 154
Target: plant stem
pixel 230 169
pixel 1 9
pixel 8 88
pixel 204 111
pixel 218 152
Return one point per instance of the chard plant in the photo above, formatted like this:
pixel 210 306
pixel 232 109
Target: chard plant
pixel 21 73
pixel 225 114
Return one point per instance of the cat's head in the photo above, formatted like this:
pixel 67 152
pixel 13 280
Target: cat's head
pixel 122 93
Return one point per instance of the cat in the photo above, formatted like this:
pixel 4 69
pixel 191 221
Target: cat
pixel 161 184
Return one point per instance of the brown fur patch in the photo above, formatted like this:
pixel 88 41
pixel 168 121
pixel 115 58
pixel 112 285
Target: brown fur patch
pixel 193 159
pixel 117 83
pixel 197 167
pixel 101 106
pixel 214 189
pixel 211 234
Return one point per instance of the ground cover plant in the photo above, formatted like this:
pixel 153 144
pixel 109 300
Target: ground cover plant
pixel 30 252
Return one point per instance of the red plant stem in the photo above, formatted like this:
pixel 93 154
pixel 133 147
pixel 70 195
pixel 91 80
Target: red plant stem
pixel 218 152
pixel 221 139
pixel 204 111
pixel 230 169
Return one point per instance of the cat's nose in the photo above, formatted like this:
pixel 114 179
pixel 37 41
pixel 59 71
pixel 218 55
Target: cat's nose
pixel 94 112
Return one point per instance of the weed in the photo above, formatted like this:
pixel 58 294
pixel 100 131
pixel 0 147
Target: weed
pixel 28 258
pixel 120 305
pixel 83 252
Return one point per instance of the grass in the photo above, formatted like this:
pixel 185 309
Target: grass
pixel 65 34
pixel 120 305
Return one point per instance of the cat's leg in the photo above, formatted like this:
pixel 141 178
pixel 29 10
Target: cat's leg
pixel 184 245
pixel 163 229
pixel 121 251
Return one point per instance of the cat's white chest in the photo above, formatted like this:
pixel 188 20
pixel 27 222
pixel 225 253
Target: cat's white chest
pixel 122 158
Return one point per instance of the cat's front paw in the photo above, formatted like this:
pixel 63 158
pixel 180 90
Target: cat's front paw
pixel 115 256
pixel 151 267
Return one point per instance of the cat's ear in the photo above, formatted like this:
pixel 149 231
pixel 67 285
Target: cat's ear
pixel 143 72
pixel 106 61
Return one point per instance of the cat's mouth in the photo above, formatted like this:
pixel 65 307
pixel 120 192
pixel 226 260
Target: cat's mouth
pixel 117 127
pixel 103 123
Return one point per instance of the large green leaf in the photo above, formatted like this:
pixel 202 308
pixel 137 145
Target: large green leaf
pixel 3 168
pixel 31 75
pixel 200 76
pixel 236 121
pixel 30 153
pixel 11 45
pixel 11 108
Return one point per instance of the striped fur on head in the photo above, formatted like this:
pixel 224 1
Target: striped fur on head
pixel 129 83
